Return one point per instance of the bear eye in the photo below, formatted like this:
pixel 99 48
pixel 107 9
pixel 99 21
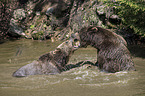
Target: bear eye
pixel 66 42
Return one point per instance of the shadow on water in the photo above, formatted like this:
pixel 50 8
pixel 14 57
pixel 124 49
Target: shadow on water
pixel 137 50
pixel 79 64
pixel 9 39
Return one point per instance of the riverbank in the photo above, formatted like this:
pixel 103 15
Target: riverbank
pixel 58 19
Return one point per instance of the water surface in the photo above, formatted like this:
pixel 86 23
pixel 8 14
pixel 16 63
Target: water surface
pixel 86 80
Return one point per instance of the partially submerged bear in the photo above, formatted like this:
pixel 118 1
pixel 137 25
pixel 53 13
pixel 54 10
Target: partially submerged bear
pixel 50 63
pixel 113 55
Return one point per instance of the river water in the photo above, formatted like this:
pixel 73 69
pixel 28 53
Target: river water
pixel 85 80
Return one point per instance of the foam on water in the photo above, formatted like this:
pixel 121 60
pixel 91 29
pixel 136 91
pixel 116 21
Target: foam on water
pixel 83 76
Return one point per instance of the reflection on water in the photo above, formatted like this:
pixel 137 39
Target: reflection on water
pixel 85 80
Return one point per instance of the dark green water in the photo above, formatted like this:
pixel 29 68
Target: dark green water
pixel 80 81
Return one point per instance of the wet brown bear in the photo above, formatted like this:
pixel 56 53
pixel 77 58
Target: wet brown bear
pixel 113 55
pixel 50 63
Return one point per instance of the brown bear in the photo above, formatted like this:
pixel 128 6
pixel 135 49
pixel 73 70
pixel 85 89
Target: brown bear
pixel 50 63
pixel 113 55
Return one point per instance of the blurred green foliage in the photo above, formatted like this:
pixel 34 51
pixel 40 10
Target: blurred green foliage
pixel 38 35
pixel 32 26
pixel 132 13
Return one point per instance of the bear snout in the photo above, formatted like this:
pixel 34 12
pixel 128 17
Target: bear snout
pixel 19 73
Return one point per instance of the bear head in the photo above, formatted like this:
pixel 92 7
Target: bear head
pixel 85 36
pixel 98 37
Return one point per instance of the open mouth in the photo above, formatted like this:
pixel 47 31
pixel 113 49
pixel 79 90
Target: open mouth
pixel 76 44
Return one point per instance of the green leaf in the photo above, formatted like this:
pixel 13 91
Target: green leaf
pixel 32 26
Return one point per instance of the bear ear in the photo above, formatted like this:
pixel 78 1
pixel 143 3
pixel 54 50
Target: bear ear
pixel 93 29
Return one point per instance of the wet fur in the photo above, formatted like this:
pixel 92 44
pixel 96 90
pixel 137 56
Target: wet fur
pixel 50 63
pixel 113 55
